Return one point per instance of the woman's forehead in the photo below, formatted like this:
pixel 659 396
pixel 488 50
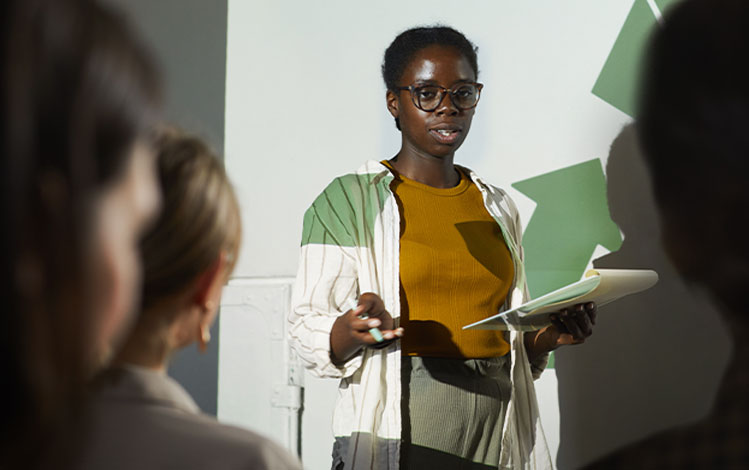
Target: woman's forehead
pixel 438 63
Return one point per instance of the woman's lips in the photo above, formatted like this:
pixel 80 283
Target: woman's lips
pixel 445 136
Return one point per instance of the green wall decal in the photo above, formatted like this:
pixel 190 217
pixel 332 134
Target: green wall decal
pixel 617 81
pixel 571 218
pixel 663 5
pixel 552 361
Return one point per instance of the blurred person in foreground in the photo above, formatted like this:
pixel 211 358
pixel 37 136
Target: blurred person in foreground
pixel 78 94
pixel 140 417
pixel 693 123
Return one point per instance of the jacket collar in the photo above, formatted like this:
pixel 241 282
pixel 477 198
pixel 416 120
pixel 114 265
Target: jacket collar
pixel 138 384
pixel 380 174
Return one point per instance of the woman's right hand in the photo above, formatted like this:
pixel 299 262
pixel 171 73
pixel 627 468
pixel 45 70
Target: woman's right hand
pixel 350 332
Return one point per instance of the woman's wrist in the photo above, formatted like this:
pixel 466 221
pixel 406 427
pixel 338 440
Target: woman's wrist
pixel 537 343
pixel 343 345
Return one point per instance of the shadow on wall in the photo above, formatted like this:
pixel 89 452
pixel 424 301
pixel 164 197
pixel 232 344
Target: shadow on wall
pixel 655 359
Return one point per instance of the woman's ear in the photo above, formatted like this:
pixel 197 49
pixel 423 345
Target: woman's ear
pixel 391 99
pixel 206 297
pixel 211 281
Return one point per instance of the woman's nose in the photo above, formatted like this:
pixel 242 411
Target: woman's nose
pixel 447 107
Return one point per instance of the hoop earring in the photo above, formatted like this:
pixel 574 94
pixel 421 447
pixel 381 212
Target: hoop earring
pixel 205 338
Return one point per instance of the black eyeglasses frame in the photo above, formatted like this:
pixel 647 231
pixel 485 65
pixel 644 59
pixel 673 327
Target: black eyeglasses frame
pixel 443 91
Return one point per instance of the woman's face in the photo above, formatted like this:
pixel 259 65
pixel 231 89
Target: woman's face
pixel 440 132
pixel 124 211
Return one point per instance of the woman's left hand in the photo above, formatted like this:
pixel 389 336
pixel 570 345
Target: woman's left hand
pixel 568 326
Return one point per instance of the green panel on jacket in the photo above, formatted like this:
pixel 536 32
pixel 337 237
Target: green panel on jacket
pixel 344 213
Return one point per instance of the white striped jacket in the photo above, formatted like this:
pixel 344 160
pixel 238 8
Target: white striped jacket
pixel 350 245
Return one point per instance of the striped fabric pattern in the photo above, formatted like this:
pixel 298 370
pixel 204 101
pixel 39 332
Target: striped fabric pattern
pixel 350 245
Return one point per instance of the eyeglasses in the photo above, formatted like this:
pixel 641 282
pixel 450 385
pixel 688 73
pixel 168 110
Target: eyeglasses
pixel 428 97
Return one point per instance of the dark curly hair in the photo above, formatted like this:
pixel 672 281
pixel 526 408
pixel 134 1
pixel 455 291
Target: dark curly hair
pixel 409 42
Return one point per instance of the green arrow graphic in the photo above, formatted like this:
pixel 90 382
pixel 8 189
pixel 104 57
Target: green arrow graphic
pixel 572 215
pixel 571 218
pixel 616 84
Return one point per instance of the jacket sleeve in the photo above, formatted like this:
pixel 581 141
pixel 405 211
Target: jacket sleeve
pixel 326 286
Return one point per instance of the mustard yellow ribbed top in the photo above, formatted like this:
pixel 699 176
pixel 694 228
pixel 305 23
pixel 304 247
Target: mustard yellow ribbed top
pixel 455 269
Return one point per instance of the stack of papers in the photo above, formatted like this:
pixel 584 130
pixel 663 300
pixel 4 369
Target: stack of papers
pixel 598 285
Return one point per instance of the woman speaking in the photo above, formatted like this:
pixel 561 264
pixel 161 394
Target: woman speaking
pixel 395 259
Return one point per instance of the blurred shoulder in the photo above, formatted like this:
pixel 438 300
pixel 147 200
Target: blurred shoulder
pixel 147 421
pixel 220 445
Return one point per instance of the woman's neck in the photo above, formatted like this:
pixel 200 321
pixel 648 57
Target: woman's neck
pixel 150 344
pixel 438 172
pixel 151 353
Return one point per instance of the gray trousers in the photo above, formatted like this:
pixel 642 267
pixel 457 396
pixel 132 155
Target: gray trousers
pixel 453 412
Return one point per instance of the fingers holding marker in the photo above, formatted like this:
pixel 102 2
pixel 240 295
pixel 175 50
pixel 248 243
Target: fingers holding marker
pixel 380 335
pixel 370 317
pixel 390 335
pixel 364 325
pixel 374 331
pixel 374 335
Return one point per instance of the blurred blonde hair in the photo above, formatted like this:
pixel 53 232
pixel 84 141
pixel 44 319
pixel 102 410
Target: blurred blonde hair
pixel 200 217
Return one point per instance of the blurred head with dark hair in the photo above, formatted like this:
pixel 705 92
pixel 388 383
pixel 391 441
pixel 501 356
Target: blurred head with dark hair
pixel 694 127
pixel 78 96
